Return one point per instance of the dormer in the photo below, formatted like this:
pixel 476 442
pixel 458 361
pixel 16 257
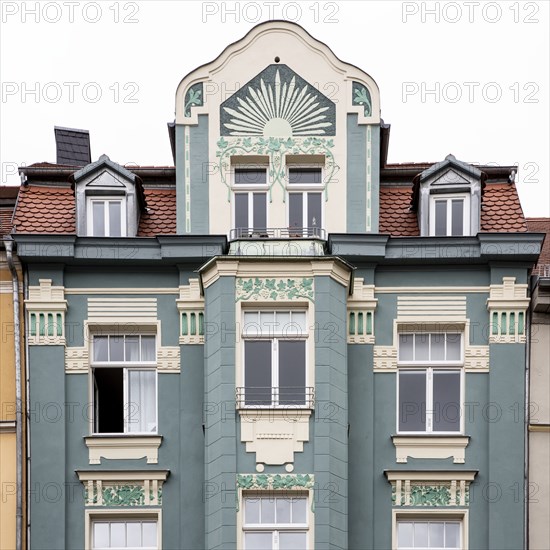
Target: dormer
pixel 448 199
pixel 109 200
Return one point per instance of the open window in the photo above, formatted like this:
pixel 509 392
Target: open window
pixel 124 380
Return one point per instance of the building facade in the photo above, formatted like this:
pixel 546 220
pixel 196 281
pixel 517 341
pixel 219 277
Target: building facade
pixel 12 383
pixel 283 341
pixel 538 495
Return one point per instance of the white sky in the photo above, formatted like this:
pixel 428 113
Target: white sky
pixel 488 60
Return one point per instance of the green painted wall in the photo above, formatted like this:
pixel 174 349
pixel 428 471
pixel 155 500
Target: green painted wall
pixel 220 443
pixel 199 171
pixel 331 402
pixel 356 185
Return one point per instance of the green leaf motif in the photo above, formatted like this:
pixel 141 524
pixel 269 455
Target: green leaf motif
pixel 123 495
pixel 361 96
pixel 422 495
pixel 273 289
pixel 275 481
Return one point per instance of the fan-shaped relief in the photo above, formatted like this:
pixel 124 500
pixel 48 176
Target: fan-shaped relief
pixel 278 103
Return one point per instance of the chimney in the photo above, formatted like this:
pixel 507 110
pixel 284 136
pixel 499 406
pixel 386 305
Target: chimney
pixel 72 146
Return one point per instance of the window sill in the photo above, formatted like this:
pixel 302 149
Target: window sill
pixel 123 447
pixel 430 446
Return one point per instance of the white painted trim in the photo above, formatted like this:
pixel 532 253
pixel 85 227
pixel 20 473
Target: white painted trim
pixel 430 289
pixel 432 515
pixel 122 475
pixel 91 515
pixel 91 198
pixel 122 447
pixel 466 225
pixel 431 446
pixel 309 493
pixel 121 290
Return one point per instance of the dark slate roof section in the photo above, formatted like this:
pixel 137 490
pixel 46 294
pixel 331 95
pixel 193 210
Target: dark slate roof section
pixel 8 198
pixel 72 146
pixel 450 161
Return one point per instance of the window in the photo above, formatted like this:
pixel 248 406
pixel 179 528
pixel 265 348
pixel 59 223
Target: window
pixel 275 522
pixel 106 217
pixel 275 359
pixel 449 216
pixel 429 398
pixel 428 534
pixel 125 534
pixel 250 200
pixel 125 392
pixel 305 217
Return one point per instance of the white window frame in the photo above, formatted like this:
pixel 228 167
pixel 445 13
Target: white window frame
pixel 126 366
pixel 249 190
pixel 276 528
pixel 275 337
pixel 304 189
pixel 440 515
pixel 126 515
pixel 429 366
pixel 448 198
pixel 91 199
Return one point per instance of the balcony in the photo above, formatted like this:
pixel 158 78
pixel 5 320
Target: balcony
pixel 267 397
pixel 277 241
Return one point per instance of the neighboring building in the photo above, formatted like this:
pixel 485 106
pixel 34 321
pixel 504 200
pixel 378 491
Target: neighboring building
pixel 284 341
pixel 12 387
pixel 538 494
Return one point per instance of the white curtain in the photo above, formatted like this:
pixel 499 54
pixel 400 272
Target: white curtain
pixel 142 401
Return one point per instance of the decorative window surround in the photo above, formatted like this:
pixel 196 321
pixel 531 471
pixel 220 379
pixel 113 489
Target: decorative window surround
pixel 361 308
pixel 77 359
pixel 119 488
pixel 191 311
pixel 46 307
pixel 126 447
pixel 122 310
pixel 476 358
pixel 507 305
pixel 432 446
pixel 274 435
pixel 430 489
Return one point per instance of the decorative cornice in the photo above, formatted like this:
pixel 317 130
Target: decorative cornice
pixel 124 447
pixel 430 447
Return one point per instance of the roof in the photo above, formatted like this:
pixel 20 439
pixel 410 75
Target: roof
pixel 73 146
pixel 8 198
pixel 51 210
pixel 541 225
pixel 501 212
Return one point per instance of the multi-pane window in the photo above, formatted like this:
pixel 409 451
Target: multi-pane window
pixel 125 534
pixel 449 216
pixel 106 217
pixel 275 523
pixel 428 534
pixel 305 207
pixel 250 200
pixel 275 370
pixel 429 389
pixel 125 390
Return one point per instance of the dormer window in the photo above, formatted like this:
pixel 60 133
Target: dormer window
pixel 448 199
pixel 109 200
pixel 449 215
pixel 106 217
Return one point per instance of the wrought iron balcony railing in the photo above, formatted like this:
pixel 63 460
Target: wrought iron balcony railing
pixel 277 233
pixel 275 397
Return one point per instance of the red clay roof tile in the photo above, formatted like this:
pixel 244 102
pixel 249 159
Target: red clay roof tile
pixel 502 211
pixel 160 218
pixel 395 215
pixel 541 225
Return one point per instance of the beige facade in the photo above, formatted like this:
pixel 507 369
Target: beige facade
pixel 539 421
pixel 8 445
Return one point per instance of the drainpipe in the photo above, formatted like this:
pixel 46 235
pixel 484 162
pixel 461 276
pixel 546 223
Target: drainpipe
pixel 8 243
pixel 526 495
